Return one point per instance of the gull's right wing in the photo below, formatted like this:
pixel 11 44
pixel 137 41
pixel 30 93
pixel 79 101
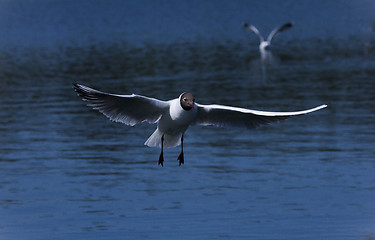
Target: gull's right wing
pixel 127 109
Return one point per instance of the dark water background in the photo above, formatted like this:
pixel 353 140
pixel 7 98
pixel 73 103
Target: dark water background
pixel 67 172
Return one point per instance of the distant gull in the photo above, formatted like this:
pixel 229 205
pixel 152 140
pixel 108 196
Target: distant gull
pixel 265 44
pixel 173 117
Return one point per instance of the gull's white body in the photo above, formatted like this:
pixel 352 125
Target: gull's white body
pixel 172 120
pixel 173 123
pixel 264 45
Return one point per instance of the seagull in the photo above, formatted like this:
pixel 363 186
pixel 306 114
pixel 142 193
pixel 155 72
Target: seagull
pixel 265 44
pixel 173 117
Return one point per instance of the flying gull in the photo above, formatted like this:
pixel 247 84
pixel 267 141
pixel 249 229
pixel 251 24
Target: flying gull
pixel 173 117
pixel 265 44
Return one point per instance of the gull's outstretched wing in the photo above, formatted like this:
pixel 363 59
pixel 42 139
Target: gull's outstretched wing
pixel 254 30
pixel 222 116
pixel 128 109
pixel 277 30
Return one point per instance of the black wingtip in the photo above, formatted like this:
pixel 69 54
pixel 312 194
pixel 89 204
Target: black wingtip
pixel 285 26
pixel 80 91
pixel 76 86
pixel 289 24
pixel 245 25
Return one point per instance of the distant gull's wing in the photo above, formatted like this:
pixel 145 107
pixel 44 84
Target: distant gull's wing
pixel 279 29
pixel 255 30
pixel 223 116
pixel 128 109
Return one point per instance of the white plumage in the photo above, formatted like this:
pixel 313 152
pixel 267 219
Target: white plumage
pixel 173 117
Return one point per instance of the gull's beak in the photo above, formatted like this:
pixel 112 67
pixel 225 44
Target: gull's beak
pixel 192 105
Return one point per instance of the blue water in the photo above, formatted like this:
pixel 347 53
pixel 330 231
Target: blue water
pixel 67 172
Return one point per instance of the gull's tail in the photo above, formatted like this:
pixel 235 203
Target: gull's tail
pixel 169 140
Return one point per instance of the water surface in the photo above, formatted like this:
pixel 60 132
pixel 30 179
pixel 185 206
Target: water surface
pixel 68 172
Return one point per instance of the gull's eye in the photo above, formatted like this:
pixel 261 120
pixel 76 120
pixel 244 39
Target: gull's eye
pixel 185 99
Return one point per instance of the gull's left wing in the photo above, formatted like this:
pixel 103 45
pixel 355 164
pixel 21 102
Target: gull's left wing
pixel 277 30
pixel 223 116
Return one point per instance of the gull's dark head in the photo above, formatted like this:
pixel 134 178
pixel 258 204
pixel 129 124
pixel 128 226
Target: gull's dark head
pixel 187 101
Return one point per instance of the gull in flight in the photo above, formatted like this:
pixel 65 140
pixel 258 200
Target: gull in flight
pixel 173 117
pixel 265 44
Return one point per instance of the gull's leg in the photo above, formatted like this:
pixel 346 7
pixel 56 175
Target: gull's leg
pixel 161 158
pixel 181 156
